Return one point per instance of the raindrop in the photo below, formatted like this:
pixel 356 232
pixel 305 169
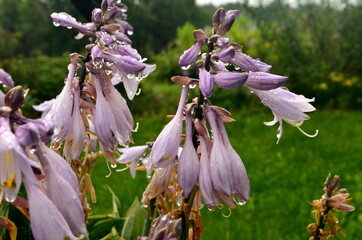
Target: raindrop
pixel 240 203
pixel 252 91
pixel 129 32
pixel 130 75
pixel 108 72
pixel 114 165
pixel 56 24
pixel 69 27
pixel 192 85
pixel 237 68
pixel 211 209
pixel 186 67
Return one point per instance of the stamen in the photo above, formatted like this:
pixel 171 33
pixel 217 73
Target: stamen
pixel 110 170
pixel 226 216
pixel 308 135
pixel 136 128
pixel 123 169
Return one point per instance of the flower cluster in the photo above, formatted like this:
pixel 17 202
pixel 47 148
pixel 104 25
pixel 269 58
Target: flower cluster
pixel 52 187
pixel 214 70
pixel 89 104
pixel 332 200
pixel 201 166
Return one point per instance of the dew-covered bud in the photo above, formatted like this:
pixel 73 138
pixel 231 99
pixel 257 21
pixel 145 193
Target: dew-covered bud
pixel 6 79
pixel 97 15
pixel 15 98
pixel 27 134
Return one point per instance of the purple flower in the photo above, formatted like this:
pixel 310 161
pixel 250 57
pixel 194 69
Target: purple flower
pixel 111 110
pixel 264 81
pixel 61 111
pixel 286 106
pixel 190 55
pixel 77 134
pixel 206 83
pixel 65 20
pixel 44 107
pixel 165 148
pixel 229 80
pixel 126 63
pixel 240 182
pixel 62 188
pixel 6 79
pixel 220 164
pixel 205 181
pixel 132 155
pixel 188 162
pixel 45 219
pixel 10 171
pixel 248 64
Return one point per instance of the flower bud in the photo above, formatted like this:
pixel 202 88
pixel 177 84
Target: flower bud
pixel 14 98
pixel 6 79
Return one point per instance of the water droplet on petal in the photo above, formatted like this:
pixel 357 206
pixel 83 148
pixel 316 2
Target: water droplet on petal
pixel 129 32
pixel 192 85
pixel 186 67
pixel 113 165
pixel 69 27
pixel 56 24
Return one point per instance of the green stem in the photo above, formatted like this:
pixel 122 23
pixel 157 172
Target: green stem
pixel 147 226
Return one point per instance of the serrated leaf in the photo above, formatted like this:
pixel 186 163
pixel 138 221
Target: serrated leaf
pixel 133 225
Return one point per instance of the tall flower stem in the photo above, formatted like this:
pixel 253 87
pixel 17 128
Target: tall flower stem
pixel 147 226
pixel 321 224
pixel 199 115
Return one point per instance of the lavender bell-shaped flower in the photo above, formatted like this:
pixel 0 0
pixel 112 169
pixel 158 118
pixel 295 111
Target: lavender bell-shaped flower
pixel 10 172
pixel 65 20
pixel 264 81
pixel 249 64
pixel 6 79
pixel 241 185
pixel 77 134
pixel 188 162
pixel 205 181
pixel 165 148
pixel 190 55
pixel 229 80
pixel 206 83
pixel 46 220
pixel 132 155
pixel 61 111
pixel 220 164
pixel 61 188
pixel 286 106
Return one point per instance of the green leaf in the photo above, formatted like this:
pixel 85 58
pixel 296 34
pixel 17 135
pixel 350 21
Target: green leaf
pixel 4 212
pixel 116 204
pixel 133 226
pixel 101 226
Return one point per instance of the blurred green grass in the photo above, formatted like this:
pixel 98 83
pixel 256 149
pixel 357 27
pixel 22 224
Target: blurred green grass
pixel 283 177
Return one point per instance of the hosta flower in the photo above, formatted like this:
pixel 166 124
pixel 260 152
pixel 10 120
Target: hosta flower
pixel 165 148
pixel 264 81
pixel 159 182
pixel 229 80
pixel 247 63
pixel 132 155
pixel 220 163
pixel 75 139
pixel 6 79
pixel 188 162
pixel 65 20
pixel 62 188
pixel 190 55
pixel 206 83
pixel 61 111
pixel 286 106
